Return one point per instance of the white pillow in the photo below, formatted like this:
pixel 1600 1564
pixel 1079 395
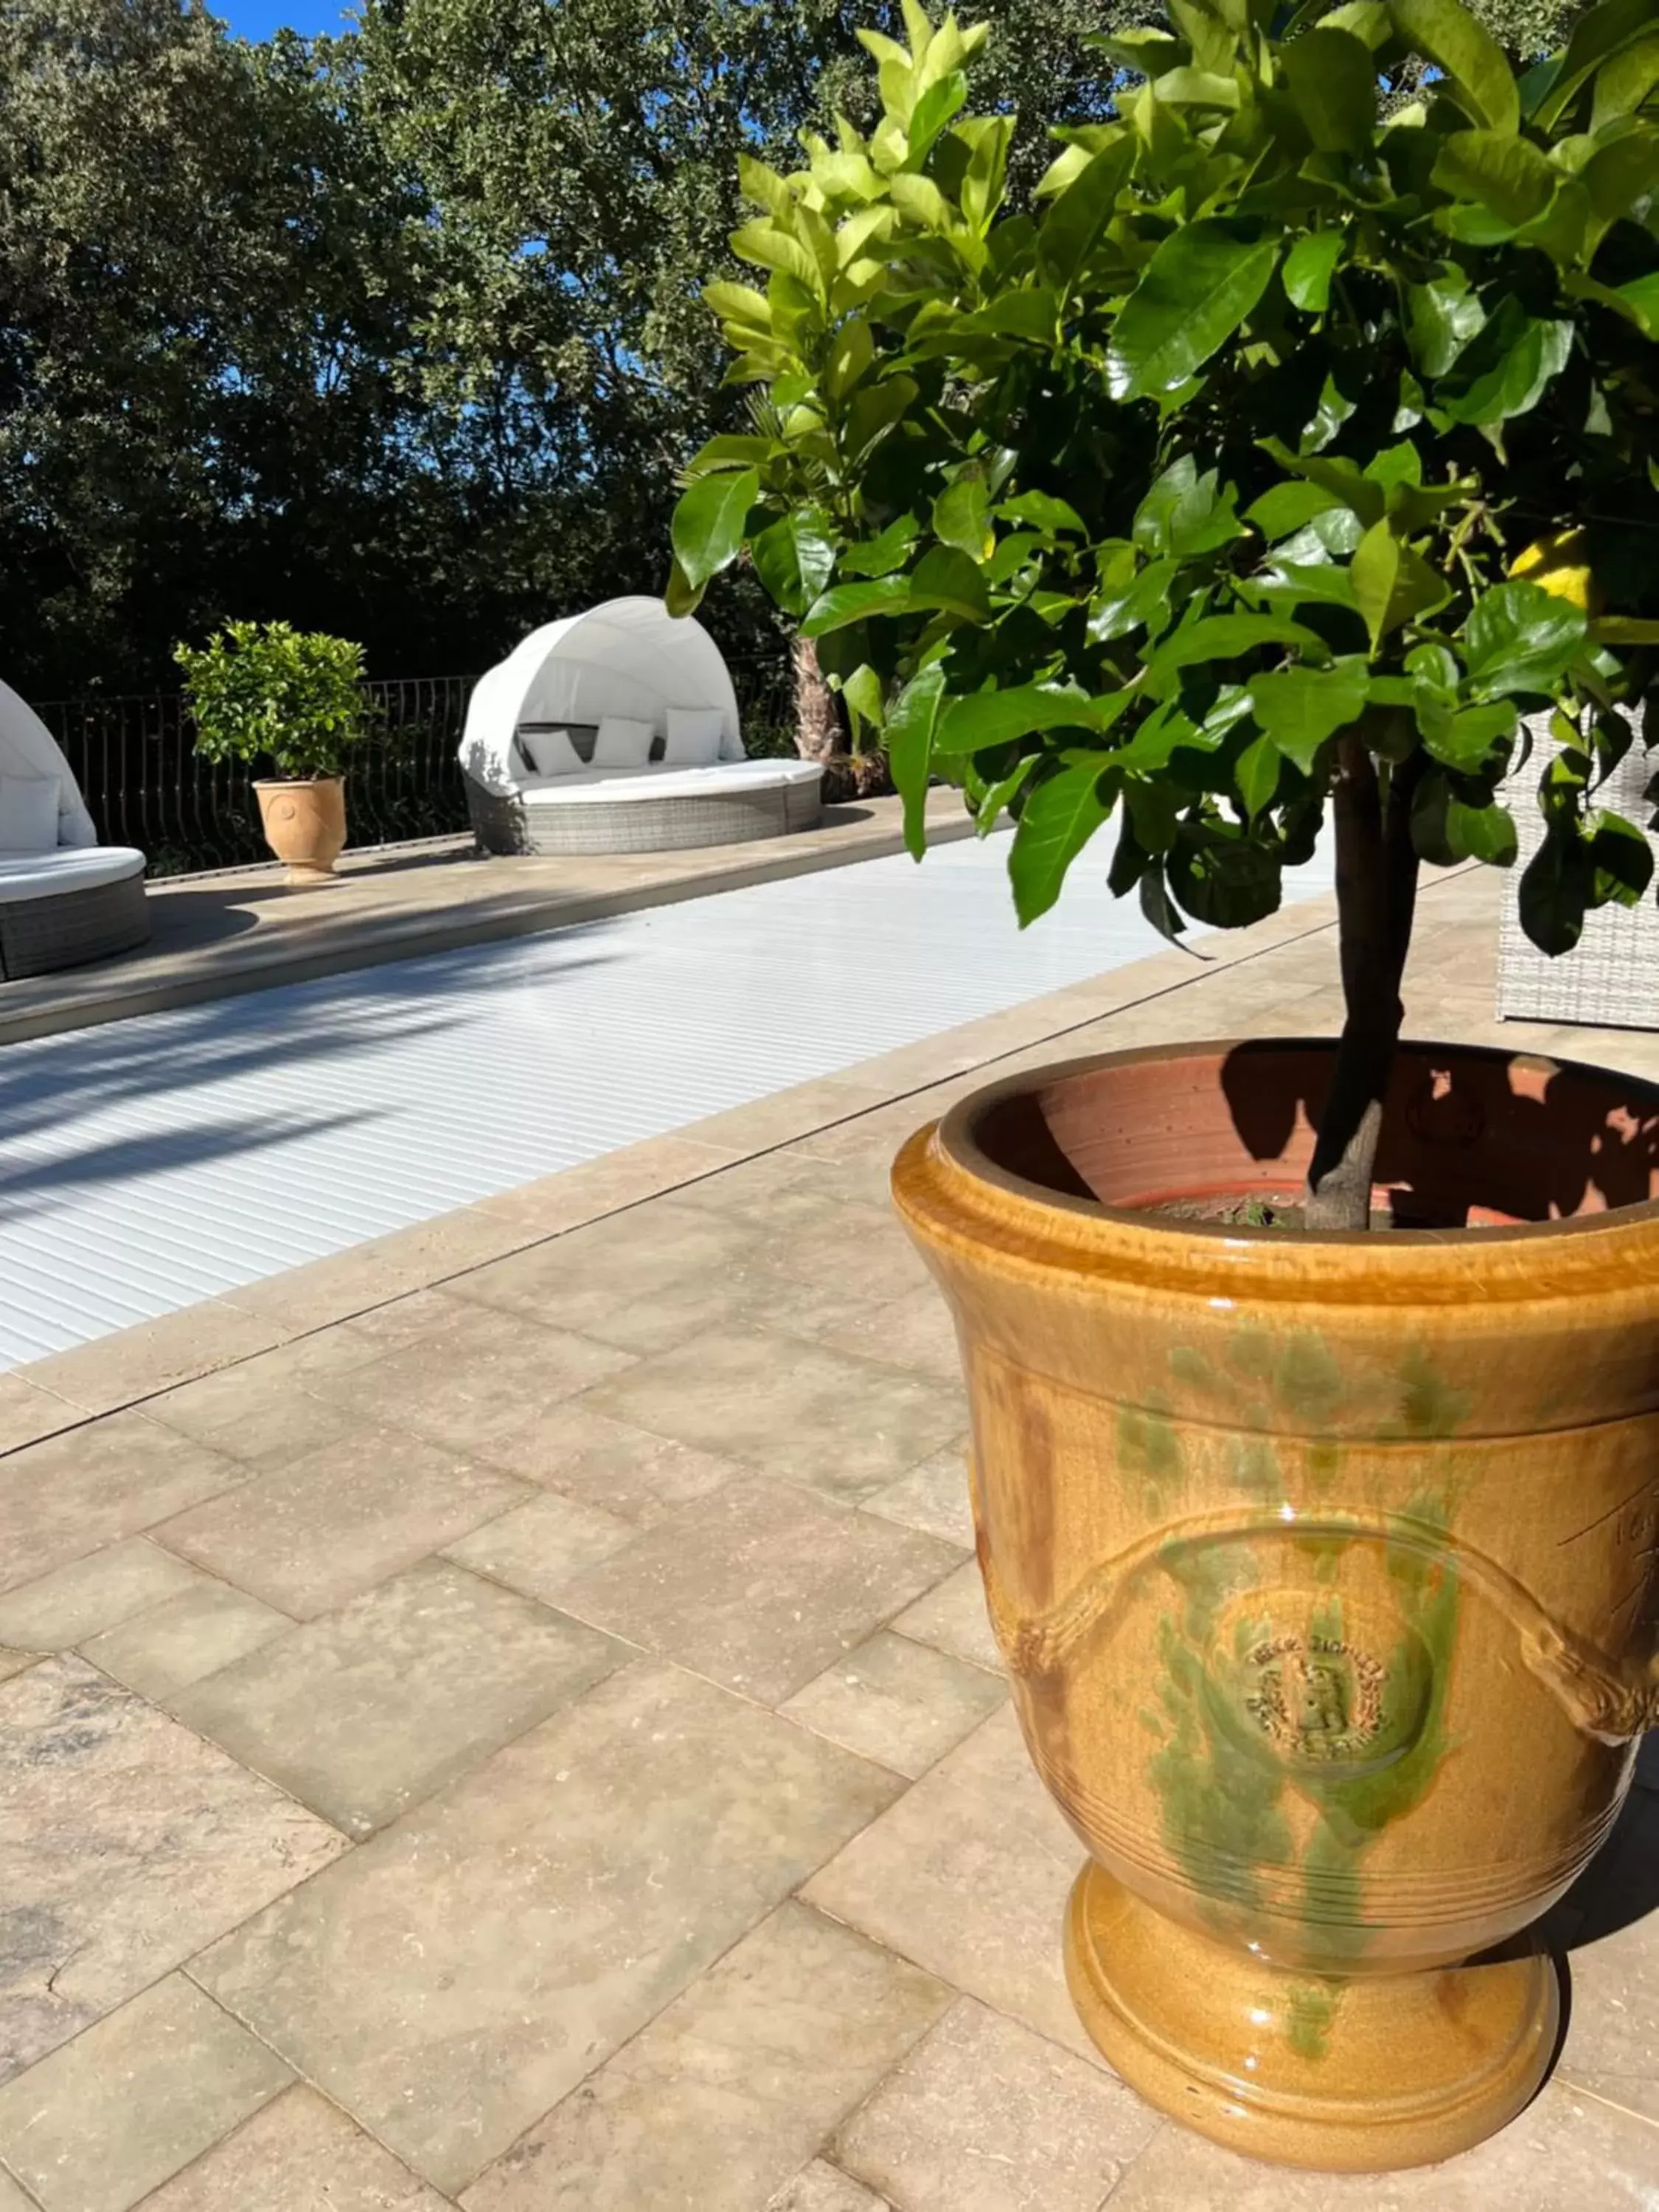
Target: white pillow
pixel 28 813
pixel 622 743
pixel 551 752
pixel 694 737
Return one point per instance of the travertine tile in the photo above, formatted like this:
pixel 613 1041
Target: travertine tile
pixel 125 1844
pixel 725 2094
pixel 747 1186
pixel 821 2188
pixel 364 1713
pixel 99 2124
pixel 203 1629
pixel 76 1601
pixel 844 1424
pixel 1609 1917
pixel 349 1283
pixel 541 1545
pixel 260 1410
pixel 953 1619
pixel 842 1244
pixel 914 1330
pixel 91 1487
pixel 740 1294
pixel 986 2117
pixel 934 1497
pixel 574 1281
pixel 900 1704
pixel 605 1186
pixel 315 1534
pixel 456 1975
pixel 27 1412
pixel 1566 2151
pixel 758 1586
pixel 13 1663
pixel 135 1362
pixel 626 1472
pixel 75 1494
pixel 12 2198
pixel 298 2155
pixel 481 1383
pixel 969 1875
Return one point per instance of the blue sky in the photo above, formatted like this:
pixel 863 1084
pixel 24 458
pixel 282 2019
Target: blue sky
pixel 258 19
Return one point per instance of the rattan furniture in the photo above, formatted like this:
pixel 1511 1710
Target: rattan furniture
pixel 1611 979
pixel 65 909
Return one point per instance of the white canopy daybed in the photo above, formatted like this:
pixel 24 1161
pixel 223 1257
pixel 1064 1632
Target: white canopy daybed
pixel 616 731
pixel 64 898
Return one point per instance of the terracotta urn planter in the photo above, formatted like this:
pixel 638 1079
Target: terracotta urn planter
pixel 304 825
pixel 1323 1567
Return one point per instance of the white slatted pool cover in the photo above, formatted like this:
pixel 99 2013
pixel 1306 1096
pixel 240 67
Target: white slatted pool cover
pixel 153 1162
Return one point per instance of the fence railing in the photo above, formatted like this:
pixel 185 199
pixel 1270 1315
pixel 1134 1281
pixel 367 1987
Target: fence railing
pixel 145 785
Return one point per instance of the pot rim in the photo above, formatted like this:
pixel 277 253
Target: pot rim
pixel 946 1186
pixel 293 782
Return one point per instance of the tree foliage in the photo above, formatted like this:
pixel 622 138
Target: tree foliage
pixel 1194 498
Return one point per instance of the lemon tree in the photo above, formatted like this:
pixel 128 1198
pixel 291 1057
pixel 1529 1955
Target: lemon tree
pixel 1264 478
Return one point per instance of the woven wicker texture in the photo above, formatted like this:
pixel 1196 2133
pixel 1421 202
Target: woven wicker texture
pixel 1611 979
pixel 38 936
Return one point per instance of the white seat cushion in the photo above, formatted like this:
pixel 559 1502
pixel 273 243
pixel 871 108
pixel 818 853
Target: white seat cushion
pixel 551 752
pixel 622 742
pixel 71 868
pixel 694 737
pixel 28 813
pixel 600 786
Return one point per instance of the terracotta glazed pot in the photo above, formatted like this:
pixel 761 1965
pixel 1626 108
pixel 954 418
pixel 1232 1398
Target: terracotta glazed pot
pixel 304 825
pixel 1323 1567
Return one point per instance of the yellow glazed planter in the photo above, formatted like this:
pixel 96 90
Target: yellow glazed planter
pixel 1322 1567
pixel 304 825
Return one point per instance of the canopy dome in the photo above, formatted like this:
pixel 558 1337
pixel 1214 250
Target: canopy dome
pixel 628 657
pixel 28 749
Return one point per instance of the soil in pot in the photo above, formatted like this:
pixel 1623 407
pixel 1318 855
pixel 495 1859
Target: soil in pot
pixel 1323 1566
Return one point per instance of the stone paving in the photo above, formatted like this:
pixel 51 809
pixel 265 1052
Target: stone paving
pixel 505 1718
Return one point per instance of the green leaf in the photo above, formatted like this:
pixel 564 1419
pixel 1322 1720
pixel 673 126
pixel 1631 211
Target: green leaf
pixel 1287 508
pixel 1521 638
pixel 795 558
pixel 851 603
pixel 1041 510
pixel 984 718
pixel 1624 82
pixel 1072 228
pixel 1332 81
pixel 1482 833
pixel 1505 370
pixel 1309 268
pixel 949 580
pixel 875 409
pixel 1621 861
pixel 1227 881
pixel 879 556
pixel 1556 889
pixel 1139 603
pixel 1481 82
pixel 1158 907
pixel 1299 708
pixel 764 244
pixel 708 523
pixel 680 597
pixel 1225 637
pixel 1443 316
pixel 1464 741
pixel 1000 795
pixel 1257 771
pixel 1346 483
pixel 1192 294
pixel 932 111
pixel 739 304
pixel 962 513
pixel 1500 170
pixel 1061 815
pixel 912 720
pixel 1598 35
pixel 1392 583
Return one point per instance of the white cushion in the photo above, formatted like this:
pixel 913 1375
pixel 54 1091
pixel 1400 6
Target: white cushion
pixel 551 752
pixel 597 787
pixel 694 737
pixel 68 870
pixel 28 813
pixel 622 742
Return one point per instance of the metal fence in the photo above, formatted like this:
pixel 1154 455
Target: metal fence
pixel 136 762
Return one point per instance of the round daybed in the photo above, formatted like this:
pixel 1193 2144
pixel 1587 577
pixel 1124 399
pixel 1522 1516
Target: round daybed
pixel 616 731
pixel 64 898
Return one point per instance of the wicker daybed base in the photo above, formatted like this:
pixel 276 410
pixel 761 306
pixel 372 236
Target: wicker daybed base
pixel 67 928
pixel 1611 979
pixel 669 824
